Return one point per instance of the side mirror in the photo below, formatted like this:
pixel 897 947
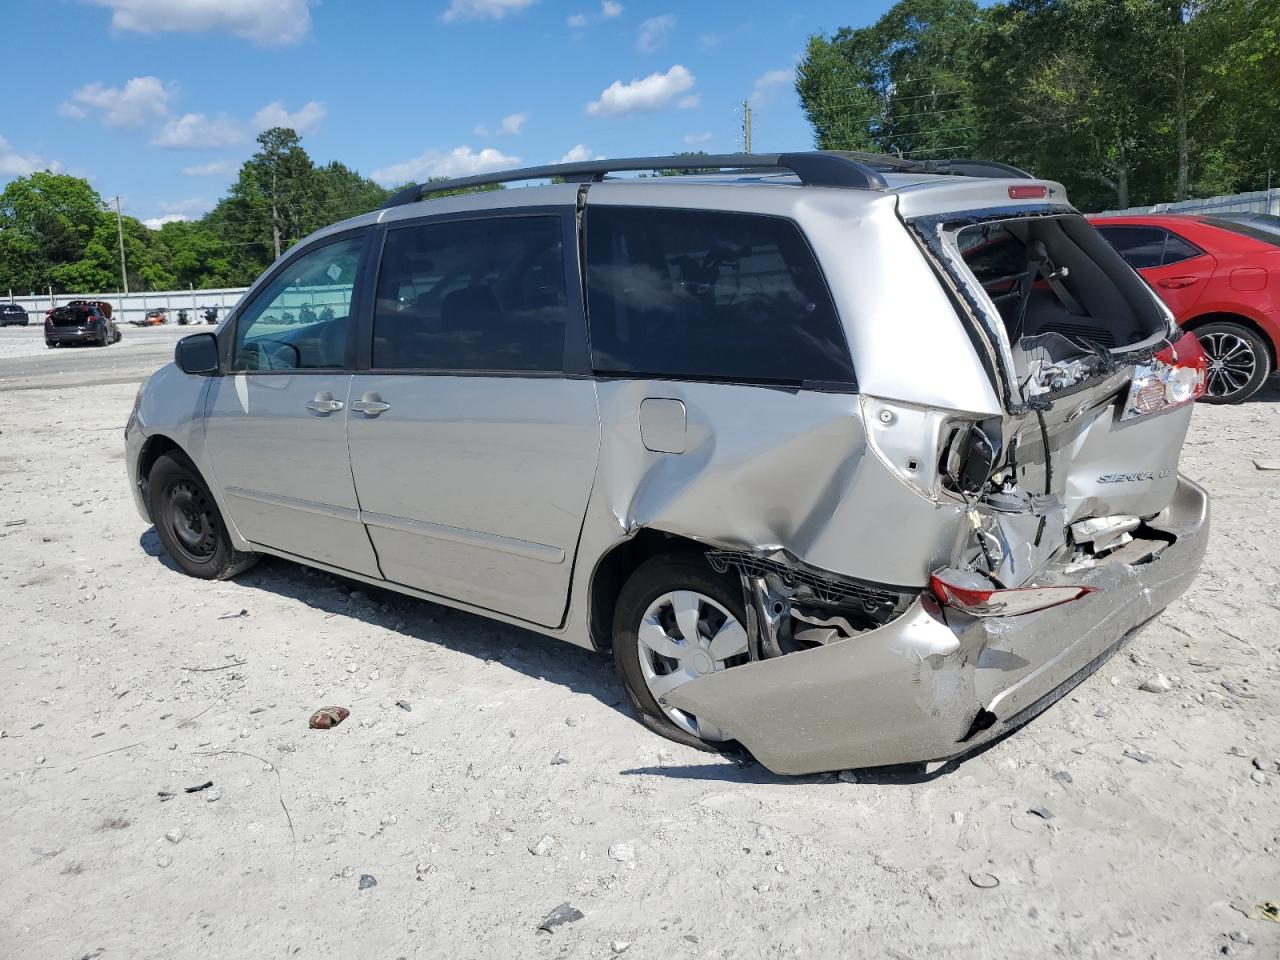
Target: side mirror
pixel 197 354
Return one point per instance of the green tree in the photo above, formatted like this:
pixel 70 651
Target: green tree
pixel 901 85
pixel 46 220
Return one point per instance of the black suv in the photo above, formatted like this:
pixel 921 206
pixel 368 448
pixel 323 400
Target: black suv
pixel 81 321
pixel 12 314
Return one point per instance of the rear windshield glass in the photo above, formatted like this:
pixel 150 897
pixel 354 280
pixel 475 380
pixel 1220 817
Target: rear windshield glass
pixel 695 294
pixel 1264 228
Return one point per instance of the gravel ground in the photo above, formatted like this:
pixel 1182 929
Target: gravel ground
pixel 512 780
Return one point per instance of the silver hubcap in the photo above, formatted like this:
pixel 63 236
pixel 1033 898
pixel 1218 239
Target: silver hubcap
pixel 1232 363
pixel 685 635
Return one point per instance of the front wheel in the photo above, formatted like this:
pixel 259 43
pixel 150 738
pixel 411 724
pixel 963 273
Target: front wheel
pixel 189 522
pixel 675 621
pixel 1239 361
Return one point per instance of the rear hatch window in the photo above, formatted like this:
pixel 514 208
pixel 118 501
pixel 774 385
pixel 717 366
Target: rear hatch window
pixel 1261 227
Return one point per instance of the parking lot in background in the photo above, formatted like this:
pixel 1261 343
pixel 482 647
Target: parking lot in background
pixel 487 775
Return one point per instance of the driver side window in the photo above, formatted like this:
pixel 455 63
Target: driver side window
pixel 300 321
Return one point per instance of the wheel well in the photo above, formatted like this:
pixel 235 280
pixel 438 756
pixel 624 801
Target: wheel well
pixel 1239 321
pixel 617 565
pixel 155 448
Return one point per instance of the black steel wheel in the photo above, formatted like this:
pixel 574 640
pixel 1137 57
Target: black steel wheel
pixel 189 523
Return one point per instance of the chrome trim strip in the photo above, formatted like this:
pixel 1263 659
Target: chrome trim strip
pixel 470 538
pixel 294 503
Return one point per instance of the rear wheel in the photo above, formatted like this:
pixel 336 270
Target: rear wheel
pixel 189 522
pixel 677 620
pixel 1239 362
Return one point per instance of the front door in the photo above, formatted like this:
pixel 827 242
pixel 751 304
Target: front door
pixel 275 427
pixel 472 446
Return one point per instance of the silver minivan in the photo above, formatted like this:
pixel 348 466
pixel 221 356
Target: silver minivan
pixel 849 460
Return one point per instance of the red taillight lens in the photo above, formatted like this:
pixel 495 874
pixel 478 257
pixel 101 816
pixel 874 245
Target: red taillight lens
pixel 1176 375
pixel 979 602
pixel 1028 192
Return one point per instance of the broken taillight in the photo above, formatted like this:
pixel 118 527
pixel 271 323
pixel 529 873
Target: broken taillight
pixel 1176 375
pixel 981 601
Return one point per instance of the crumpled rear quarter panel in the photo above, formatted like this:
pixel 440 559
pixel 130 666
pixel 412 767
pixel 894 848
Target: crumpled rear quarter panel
pixel 764 469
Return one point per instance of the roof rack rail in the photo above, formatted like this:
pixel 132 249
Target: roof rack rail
pixel 976 168
pixel 814 168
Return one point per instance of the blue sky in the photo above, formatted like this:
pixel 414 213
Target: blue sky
pixel 159 100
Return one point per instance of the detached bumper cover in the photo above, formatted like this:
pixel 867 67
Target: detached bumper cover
pixel 911 691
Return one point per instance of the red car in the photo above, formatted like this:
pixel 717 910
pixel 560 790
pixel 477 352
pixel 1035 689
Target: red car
pixel 1220 275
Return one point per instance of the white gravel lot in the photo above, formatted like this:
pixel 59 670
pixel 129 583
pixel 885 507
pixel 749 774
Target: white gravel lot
pixel 19 342
pixel 123 678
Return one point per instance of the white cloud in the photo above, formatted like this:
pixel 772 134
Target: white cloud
pixel 710 40
pixel 692 138
pixel 265 22
pixel 576 154
pixel 14 164
pixel 767 82
pixel 689 102
pixel 195 131
pixel 140 100
pixel 514 123
pixel 214 169
pixel 155 223
pixel 458 162
pixel 306 120
pixel 193 205
pixel 650 93
pixel 609 10
pixel 653 33
pixel 480 130
pixel 482 9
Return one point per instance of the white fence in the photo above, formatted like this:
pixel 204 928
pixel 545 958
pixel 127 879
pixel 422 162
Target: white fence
pixel 134 306
pixel 1259 201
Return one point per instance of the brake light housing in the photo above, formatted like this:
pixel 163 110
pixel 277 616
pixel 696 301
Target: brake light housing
pixel 975 595
pixel 1028 191
pixel 1177 375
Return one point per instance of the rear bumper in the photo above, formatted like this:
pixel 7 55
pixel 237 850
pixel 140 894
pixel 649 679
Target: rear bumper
pixel 72 336
pixel 911 691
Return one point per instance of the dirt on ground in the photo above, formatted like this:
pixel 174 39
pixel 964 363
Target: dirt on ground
pixel 487 776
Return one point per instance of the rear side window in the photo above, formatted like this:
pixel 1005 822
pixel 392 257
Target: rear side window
pixel 1176 250
pixel 478 295
pixel 1140 246
pixel 709 295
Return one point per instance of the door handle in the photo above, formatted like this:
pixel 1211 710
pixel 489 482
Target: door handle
pixel 370 405
pixel 324 404
pixel 1177 283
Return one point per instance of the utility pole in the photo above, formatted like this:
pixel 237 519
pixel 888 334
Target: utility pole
pixel 275 215
pixel 124 274
pixel 746 126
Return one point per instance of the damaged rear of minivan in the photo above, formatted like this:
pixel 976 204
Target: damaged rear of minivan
pixel 1018 546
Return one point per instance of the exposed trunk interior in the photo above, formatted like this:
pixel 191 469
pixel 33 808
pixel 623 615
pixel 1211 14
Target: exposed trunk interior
pixel 1065 298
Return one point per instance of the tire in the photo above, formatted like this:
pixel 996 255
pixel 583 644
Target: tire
pixel 1243 361
pixel 642 669
pixel 189 523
